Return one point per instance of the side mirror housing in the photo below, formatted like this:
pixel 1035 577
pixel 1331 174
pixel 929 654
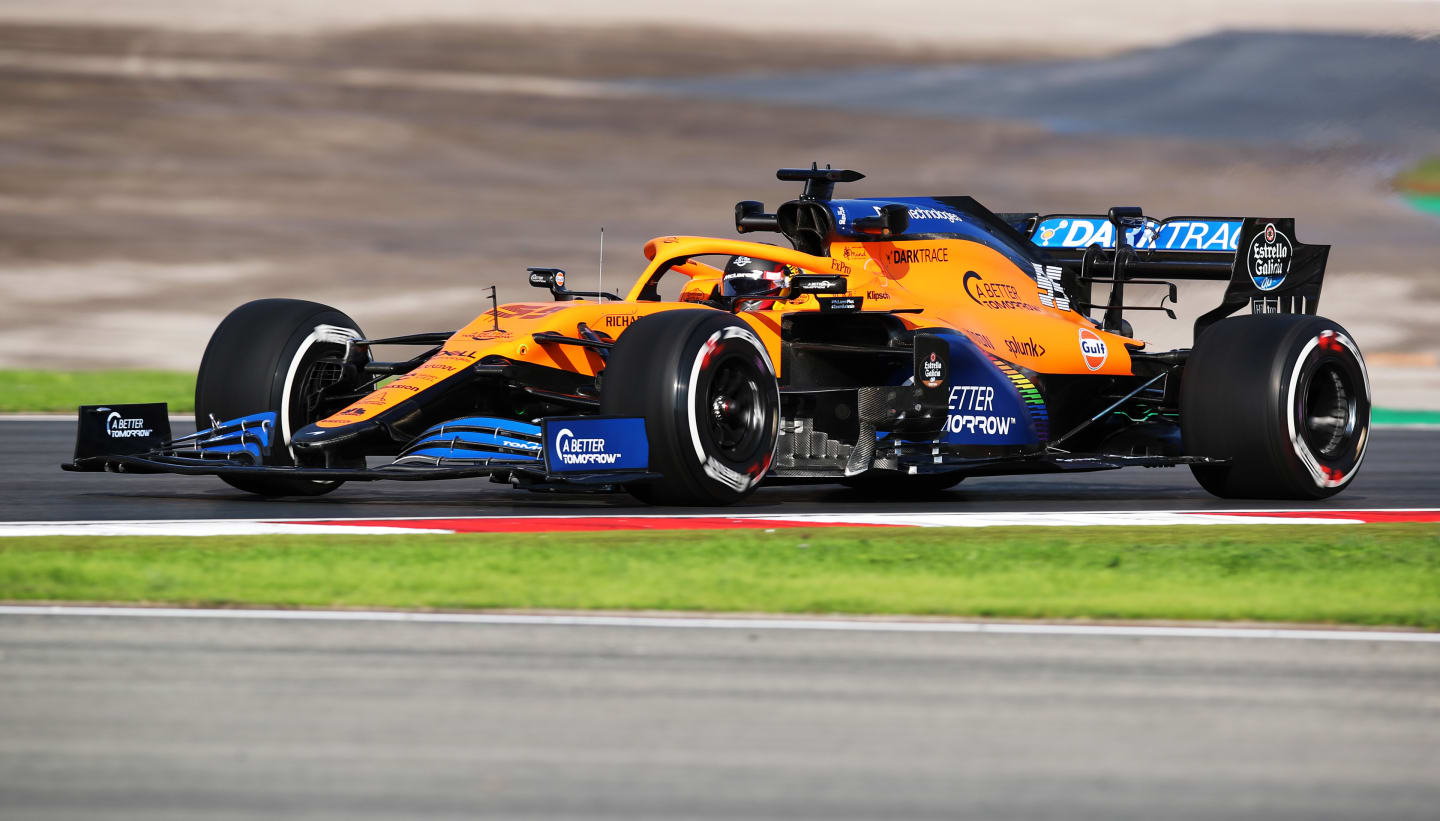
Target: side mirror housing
pixel 551 278
pixel 750 216
pixel 817 284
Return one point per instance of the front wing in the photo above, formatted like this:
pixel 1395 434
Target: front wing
pixel 136 439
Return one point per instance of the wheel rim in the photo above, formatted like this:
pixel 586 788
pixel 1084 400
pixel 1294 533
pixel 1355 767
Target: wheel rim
pixel 735 409
pixel 1328 409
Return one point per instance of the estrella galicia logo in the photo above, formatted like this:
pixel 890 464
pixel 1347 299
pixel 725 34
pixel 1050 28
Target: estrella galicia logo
pixel 1268 260
pixel 932 371
pixel 580 444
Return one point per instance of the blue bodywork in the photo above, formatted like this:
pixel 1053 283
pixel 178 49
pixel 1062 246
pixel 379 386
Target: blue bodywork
pixel 986 405
pixel 248 435
pixel 476 438
pixel 985 408
pixel 930 217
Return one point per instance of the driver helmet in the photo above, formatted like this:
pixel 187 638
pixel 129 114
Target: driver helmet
pixel 748 281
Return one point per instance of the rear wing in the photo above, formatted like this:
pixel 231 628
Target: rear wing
pixel 1263 262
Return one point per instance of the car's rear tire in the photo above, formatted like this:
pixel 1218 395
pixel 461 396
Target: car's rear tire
pixel 260 359
pixel 1284 397
pixel 707 390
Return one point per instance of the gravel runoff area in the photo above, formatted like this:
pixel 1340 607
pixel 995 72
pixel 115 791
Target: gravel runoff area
pixel 1040 26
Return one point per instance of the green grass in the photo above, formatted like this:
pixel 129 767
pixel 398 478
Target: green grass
pixel 1386 416
pixel 1354 574
pixel 1420 185
pixel 41 391
pixel 1429 203
pixel 1423 178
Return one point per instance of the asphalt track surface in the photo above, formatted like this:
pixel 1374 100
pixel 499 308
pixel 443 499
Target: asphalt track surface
pixel 158 718
pixel 202 719
pixel 1400 471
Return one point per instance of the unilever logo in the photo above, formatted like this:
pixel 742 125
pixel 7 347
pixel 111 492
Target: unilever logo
pixel 579 444
pixel 574 450
pixel 120 427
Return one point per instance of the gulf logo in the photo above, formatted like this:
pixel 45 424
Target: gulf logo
pixel 1093 349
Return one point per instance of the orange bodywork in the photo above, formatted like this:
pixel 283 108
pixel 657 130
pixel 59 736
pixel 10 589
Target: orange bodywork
pixel 956 283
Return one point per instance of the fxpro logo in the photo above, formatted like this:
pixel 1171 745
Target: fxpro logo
pixel 575 451
pixel 119 427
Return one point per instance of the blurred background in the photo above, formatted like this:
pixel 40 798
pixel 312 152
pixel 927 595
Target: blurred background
pixel 162 161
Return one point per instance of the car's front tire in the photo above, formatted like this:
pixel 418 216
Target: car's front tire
pixel 1285 398
pixel 708 392
pixel 261 358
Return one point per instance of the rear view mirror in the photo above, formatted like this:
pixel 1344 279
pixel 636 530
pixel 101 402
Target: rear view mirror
pixel 554 279
pixel 551 278
pixel 547 277
pixel 750 216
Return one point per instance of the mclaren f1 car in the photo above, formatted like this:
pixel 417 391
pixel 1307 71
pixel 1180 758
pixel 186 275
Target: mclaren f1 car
pixel 898 344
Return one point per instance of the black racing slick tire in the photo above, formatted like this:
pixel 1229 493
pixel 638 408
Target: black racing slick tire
pixel 1285 398
pixel 261 358
pixel 707 390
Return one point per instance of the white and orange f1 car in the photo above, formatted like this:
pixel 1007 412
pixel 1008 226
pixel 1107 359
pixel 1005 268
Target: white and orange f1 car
pixel 898 344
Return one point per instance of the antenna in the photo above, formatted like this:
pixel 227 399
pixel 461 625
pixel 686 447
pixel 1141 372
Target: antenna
pixel 494 308
pixel 602 262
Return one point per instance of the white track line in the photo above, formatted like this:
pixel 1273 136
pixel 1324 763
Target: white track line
pixel 731 623
pixel 290 527
pixel 203 528
pixel 1137 518
pixel 605 513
